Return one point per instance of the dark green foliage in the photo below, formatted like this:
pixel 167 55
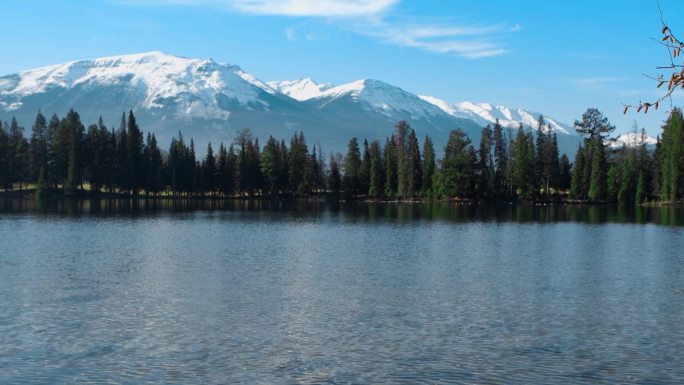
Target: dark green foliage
pixel 5 177
pixel 501 179
pixel 154 182
pixel 457 176
pixel 249 176
pixel 98 156
pixel 227 162
pixel 335 174
pixel 401 158
pixel 390 158
pixel 69 151
pixel 39 146
pixel 564 173
pixel 414 166
pixel 485 166
pixel 429 167
pixel 271 168
pixel 365 168
pixel 376 187
pixel 593 124
pixel 298 158
pixel 597 185
pixel 578 188
pixel 62 153
pixel 671 158
pixel 524 174
pixel 135 164
pixel 209 171
pixel 352 169
pixel 542 140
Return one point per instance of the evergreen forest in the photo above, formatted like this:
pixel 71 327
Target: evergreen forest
pixel 62 155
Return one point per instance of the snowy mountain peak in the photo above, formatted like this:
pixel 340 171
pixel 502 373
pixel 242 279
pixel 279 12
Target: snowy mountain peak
pixel 195 87
pixel 486 113
pixel 632 140
pixel 209 100
pixel 381 97
pixel 301 89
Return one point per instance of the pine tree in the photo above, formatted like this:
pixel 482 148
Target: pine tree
pixel 597 186
pixel 209 171
pixel 155 166
pixel 221 164
pixel 17 155
pixel 227 169
pixel 593 124
pixel 122 179
pixel 540 165
pixel 565 173
pixel 352 169
pixel 270 165
pixel 390 158
pixel 284 162
pixel 364 179
pixel 68 145
pixel 553 165
pixel 135 165
pixel 485 167
pixel 402 178
pixel 524 175
pixel 335 175
pixel 645 178
pixel 671 157
pixel 414 167
pixel 51 170
pixel 39 146
pixel 376 187
pixel 613 179
pixel 5 180
pixel 298 159
pixel 191 167
pixel 500 161
pixel 457 175
pixel 429 166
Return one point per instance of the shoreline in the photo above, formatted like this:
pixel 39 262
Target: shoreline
pixel 321 197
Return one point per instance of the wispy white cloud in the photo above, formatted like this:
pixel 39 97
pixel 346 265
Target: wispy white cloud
pixel 370 18
pixel 468 41
pixel 596 81
pixel 306 8
pixel 327 8
pixel 290 33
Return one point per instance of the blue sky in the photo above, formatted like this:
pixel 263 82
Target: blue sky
pixel 557 57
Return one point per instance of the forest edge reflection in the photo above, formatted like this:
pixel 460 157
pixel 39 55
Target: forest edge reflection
pixel 355 210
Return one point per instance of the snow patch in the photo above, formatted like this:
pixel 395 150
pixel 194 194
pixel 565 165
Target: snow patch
pixel 485 113
pixel 194 83
pixel 302 89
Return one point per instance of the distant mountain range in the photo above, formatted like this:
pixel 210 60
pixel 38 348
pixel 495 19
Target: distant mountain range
pixel 211 101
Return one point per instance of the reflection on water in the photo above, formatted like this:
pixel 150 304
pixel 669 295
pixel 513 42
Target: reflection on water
pixel 133 292
pixel 593 214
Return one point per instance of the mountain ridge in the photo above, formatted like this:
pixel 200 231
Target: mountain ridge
pixel 211 101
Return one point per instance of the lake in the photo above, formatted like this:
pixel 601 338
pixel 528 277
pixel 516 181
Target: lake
pixel 274 292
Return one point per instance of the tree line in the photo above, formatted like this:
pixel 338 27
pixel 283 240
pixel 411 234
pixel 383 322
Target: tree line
pixel 507 165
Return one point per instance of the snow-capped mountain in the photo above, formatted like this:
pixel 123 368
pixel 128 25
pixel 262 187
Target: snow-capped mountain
pixel 632 140
pixel 302 89
pixel 196 88
pixel 211 101
pixel 485 113
pixel 367 104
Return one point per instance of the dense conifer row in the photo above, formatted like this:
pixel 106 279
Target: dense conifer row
pixel 508 165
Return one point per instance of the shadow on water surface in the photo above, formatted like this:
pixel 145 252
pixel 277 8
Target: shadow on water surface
pixel 352 211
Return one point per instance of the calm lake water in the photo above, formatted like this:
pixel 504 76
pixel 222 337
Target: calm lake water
pixel 237 292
